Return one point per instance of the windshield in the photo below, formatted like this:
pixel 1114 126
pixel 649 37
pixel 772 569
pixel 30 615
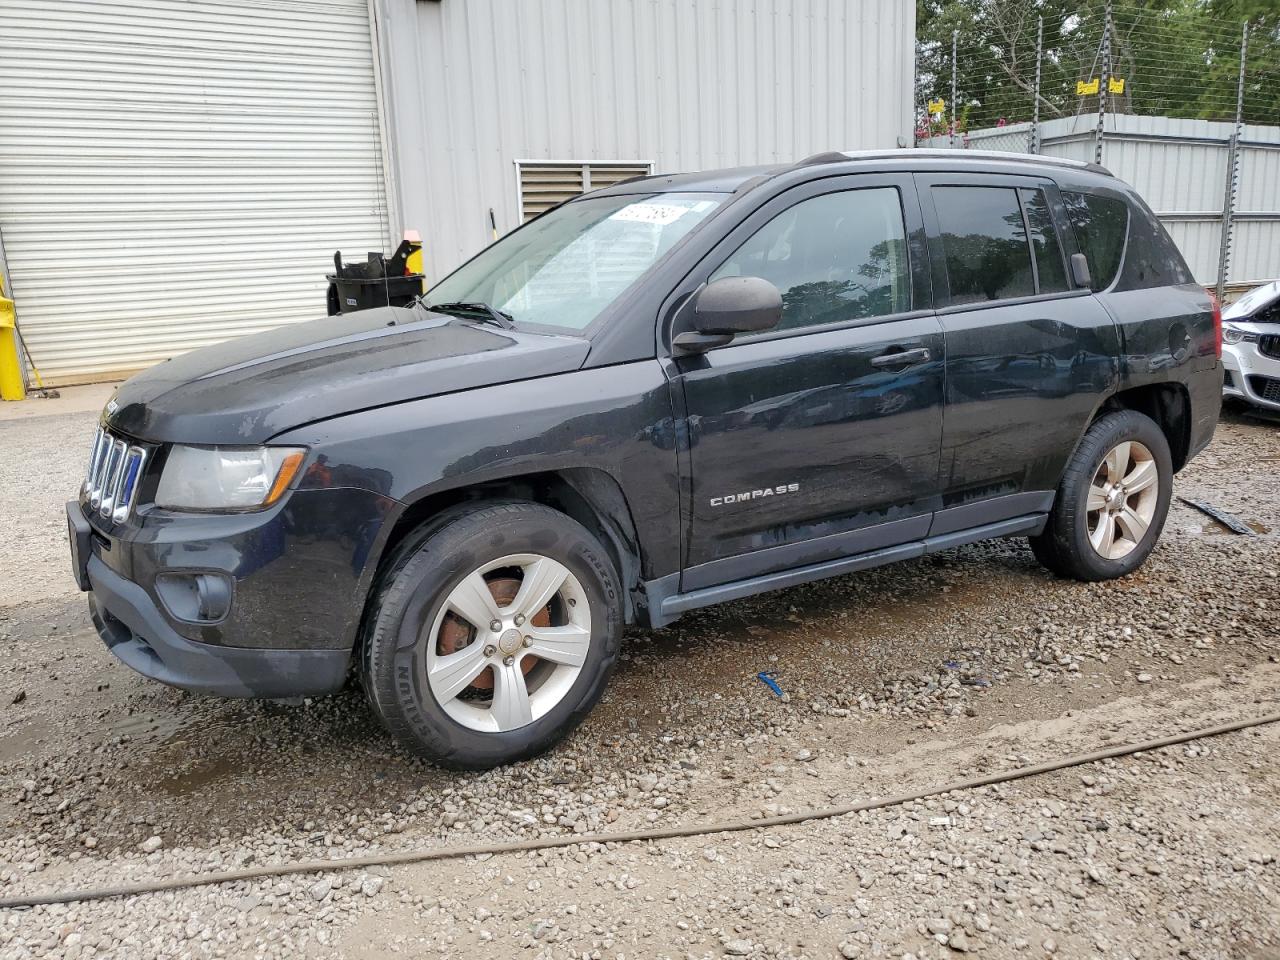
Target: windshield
pixel 565 268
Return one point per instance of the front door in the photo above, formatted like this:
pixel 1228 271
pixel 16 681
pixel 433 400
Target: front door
pixel 817 439
pixel 1028 353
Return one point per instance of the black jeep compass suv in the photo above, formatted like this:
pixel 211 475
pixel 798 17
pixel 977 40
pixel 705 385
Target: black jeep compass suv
pixel 672 392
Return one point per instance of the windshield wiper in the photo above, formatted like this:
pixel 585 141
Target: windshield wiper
pixel 474 311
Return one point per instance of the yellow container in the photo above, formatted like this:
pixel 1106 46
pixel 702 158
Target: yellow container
pixel 11 386
pixel 413 263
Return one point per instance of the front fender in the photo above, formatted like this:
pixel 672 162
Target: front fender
pixel 616 419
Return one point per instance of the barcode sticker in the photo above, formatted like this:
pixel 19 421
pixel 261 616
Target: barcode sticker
pixel 656 213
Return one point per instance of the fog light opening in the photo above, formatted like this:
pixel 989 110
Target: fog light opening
pixel 195 597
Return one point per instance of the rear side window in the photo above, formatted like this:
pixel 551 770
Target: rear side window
pixel 836 257
pixel 984 241
pixel 1050 271
pixel 1100 225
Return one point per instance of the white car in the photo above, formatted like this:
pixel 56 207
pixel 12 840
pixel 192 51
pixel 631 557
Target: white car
pixel 1251 347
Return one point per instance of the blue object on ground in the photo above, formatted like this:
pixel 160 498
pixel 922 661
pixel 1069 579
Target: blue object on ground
pixel 770 680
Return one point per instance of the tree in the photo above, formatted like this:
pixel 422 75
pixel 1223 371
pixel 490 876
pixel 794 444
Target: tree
pixel 1262 65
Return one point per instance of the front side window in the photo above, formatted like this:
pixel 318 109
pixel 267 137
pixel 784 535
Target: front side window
pixel 984 241
pixel 834 258
pixel 563 269
pixel 1100 225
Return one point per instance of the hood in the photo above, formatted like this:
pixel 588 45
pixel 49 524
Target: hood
pixel 1255 300
pixel 247 390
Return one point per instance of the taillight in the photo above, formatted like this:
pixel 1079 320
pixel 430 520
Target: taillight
pixel 1217 326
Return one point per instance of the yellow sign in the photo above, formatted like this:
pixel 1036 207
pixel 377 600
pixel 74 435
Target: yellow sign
pixel 937 107
pixel 1090 88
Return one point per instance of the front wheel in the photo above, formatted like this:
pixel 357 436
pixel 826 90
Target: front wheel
pixel 493 633
pixel 1112 502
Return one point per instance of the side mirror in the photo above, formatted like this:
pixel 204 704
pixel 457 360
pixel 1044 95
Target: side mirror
pixel 730 306
pixel 737 305
pixel 1080 271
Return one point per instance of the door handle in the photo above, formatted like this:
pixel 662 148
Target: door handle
pixel 902 358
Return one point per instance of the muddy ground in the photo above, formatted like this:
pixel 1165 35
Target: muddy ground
pixel 969 661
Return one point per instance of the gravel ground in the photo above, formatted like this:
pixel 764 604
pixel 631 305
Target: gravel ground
pixel 42 462
pixel 969 661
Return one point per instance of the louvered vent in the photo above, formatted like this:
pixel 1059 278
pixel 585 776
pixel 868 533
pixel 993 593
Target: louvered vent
pixel 543 185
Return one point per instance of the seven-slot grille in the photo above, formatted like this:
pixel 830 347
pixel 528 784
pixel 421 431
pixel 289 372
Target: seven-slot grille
pixel 115 473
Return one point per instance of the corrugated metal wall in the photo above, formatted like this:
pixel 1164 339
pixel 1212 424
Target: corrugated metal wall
pixel 1180 168
pixel 177 172
pixel 476 86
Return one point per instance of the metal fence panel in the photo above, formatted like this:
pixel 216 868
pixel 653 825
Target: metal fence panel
pixel 1259 179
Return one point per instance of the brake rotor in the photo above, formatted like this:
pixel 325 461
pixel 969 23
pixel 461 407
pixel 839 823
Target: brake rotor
pixel 457 634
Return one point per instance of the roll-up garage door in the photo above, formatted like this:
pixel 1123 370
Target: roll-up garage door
pixel 177 172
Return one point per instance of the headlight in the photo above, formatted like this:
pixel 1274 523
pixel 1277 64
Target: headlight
pixel 226 478
pixel 1231 334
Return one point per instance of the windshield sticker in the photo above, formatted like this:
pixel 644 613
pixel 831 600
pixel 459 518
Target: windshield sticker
pixel 656 213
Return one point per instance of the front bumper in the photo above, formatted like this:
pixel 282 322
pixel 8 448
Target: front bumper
pixel 1251 375
pixel 136 632
pixel 295 578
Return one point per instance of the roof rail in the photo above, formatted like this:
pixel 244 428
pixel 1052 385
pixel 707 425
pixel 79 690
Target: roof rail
pixel 935 153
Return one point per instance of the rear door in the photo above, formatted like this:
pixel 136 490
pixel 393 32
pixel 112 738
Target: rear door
pixel 1028 353
pixel 820 438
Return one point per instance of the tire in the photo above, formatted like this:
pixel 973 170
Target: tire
pixel 1066 546
pixel 414 625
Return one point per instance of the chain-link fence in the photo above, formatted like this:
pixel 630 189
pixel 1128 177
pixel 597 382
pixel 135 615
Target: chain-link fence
pixel 990 63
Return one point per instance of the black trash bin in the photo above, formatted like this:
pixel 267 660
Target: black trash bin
pixel 378 282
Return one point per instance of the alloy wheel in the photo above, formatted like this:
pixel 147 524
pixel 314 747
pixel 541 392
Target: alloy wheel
pixel 508 642
pixel 1122 499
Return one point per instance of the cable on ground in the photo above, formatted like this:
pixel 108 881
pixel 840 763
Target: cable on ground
pixel 630 836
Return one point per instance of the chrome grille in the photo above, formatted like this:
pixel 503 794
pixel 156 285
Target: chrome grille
pixel 115 473
pixel 1269 345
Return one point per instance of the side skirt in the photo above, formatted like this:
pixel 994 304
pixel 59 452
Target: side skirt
pixel 666 604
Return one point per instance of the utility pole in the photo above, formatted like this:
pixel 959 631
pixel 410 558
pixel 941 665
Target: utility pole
pixel 922 106
pixel 1035 95
pixel 1233 171
pixel 955 36
pixel 1103 83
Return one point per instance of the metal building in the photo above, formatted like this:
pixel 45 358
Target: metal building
pixel 175 172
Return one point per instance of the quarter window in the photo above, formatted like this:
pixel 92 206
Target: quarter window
pixel 834 258
pixel 1100 224
pixel 1151 259
pixel 984 240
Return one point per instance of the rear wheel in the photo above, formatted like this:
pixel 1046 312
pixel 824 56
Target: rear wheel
pixel 492 634
pixel 1112 502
